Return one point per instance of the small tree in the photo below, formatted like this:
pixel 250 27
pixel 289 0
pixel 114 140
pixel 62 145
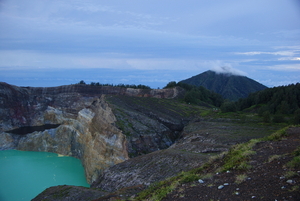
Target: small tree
pixel 171 84
pixel 228 107
pixel 192 97
pixel 81 82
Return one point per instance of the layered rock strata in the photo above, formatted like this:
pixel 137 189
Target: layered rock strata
pixel 87 128
pixel 91 137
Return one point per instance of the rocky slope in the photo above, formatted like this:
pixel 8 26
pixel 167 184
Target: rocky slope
pixel 150 124
pixel 86 125
pixel 273 173
pixel 201 139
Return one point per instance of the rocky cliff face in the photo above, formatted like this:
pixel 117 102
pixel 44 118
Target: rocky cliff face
pixel 149 124
pixel 26 106
pixel 87 127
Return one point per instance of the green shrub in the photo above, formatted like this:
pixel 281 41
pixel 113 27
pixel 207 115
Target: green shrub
pixel 294 163
pixel 229 107
pixel 188 177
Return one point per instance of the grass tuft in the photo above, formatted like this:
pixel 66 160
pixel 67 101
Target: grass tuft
pixel 297 152
pixel 240 178
pixel 290 174
pixel 274 157
pixel 158 190
pixel 295 188
pixel 294 163
pixel 206 176
pixel 188 177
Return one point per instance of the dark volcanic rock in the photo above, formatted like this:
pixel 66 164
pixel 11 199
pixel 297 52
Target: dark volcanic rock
pixel 70 193
pixel 149 124
pixel 30 129
pixel 147 169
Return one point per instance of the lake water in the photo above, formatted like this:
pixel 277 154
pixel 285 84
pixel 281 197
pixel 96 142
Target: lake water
pixel 25 174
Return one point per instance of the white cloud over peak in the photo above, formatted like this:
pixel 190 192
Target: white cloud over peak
pixel 228 70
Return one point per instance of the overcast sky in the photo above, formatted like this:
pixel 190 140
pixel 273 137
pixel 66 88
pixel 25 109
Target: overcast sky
pixel 151 42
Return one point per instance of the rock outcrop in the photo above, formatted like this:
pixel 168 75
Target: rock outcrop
pixel 148 169
pixel 87 125
pixel 91 137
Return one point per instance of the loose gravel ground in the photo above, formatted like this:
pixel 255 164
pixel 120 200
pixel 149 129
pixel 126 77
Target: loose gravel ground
pixel 268 179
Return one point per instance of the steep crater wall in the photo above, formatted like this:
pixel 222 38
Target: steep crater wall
pixel 88 128
pixel 91 137
pixel 149 124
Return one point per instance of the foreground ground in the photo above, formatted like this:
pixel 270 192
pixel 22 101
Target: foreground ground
pixel 262 169
pixel 274 175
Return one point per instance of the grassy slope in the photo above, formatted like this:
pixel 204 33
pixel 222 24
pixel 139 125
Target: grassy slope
pixel 236 159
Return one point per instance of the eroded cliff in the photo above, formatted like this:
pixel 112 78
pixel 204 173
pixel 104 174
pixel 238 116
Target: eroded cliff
pixel 88 129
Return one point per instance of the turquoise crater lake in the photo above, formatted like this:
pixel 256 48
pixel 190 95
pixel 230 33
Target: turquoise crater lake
pixel 25 174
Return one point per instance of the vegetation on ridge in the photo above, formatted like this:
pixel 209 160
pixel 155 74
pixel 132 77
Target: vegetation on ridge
pixel 277 104
pixel 139 86
pixel 198 95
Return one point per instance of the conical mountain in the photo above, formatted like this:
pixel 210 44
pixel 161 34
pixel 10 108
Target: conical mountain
pixel 230 86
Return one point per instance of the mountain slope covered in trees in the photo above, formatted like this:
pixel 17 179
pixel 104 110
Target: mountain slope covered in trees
pixel 231 87
pixel 278 101
pixel 198 95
